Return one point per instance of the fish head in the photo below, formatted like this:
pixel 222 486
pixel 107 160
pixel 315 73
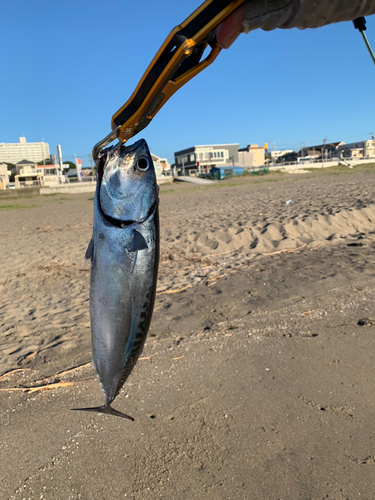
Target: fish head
pixel 128 188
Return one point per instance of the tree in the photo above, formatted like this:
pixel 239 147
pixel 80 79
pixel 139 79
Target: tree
pixel 70 164
pixel 47 161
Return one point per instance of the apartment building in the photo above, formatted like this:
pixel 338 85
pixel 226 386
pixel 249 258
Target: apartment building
pixel 22 150
pixel 362 149
pixel 203 158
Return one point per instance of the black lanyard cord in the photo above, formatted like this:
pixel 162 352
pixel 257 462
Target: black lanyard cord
pixel 360 24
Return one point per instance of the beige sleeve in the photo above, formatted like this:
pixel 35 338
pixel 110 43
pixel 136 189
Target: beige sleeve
pixel 271 14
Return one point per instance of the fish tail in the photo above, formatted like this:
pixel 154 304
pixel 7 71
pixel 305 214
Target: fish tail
pixel 106 409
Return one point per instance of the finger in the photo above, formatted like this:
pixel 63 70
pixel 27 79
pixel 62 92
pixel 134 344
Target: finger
pixel 231 28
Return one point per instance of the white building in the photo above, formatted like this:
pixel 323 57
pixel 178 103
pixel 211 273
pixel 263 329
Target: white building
pixel 4 178
pixel 277 154
pixel 27 174
pixel 362 149
pixel 203 158
pixel 13 152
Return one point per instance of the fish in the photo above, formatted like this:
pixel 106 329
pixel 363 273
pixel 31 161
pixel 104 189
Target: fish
pixel 124 253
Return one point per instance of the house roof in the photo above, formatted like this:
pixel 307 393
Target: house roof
pixel 320 146
pixel 209 145
pixel 25 162
pixel 251 147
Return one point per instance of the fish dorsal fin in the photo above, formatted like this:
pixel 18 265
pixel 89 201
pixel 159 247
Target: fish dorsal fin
pixel 89 252
pixel 137 242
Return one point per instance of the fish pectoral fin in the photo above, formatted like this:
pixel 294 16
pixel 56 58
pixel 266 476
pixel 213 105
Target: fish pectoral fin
pixel 105 409
pixel 137 243
pixel 89 252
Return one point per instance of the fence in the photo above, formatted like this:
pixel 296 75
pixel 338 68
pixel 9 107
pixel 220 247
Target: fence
pixel 24 184
pixel 265 169
pixel 336 161
pixel 89 178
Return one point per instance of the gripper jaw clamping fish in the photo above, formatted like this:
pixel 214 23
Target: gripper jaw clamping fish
pixel 181 57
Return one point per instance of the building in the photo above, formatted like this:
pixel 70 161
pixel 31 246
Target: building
pixel 275 155
pixel 251 156
pixel 22 150
pixel 340 150
pixel 329 150
pixel 200 159
pixel 26 174
pixel 362 149
pixel 203 158
pixel 85 174
pixel 4 178
pixel 288 157
pixel 50 174
pixel 161 165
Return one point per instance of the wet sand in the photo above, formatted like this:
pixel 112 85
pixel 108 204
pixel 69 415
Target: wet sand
pixel 257 379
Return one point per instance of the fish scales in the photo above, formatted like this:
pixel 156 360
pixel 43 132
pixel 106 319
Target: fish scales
pixel 124 254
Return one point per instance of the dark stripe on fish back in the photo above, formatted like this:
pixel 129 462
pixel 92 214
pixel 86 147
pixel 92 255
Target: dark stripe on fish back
pixel 140 339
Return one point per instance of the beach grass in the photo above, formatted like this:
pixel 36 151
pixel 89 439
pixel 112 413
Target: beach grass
pixel 15 206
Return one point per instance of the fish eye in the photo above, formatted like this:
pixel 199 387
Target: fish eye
pixel 143 164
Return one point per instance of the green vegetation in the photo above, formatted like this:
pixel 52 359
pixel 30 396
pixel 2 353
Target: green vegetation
pixel 47 161
pixel 262 181
pixel 258 171
pixel 166 191
pixel 15 197
pixel 16 206
pixel 70 163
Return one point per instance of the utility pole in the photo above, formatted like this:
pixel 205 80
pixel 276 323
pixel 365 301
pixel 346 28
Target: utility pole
pixel 183 164
pixel 324 151
pixel 59 155
pixel 41 145
pixel 303 146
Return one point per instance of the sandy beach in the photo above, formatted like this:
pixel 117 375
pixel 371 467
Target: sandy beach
pixel 257 378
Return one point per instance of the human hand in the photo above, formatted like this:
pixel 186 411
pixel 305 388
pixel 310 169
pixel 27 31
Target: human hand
pixel 271 14
pixel 230 29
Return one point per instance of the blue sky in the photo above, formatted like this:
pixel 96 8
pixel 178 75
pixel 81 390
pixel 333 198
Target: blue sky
pixel 67 66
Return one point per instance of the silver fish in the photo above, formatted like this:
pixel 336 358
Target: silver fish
pixel 124 254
